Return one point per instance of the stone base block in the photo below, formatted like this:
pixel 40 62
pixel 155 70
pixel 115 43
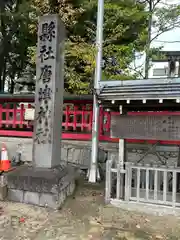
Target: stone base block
pixel 3 192
pixel 42 187
pixel 15 195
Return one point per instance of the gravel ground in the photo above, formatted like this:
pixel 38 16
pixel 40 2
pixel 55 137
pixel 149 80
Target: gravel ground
pixel 83 217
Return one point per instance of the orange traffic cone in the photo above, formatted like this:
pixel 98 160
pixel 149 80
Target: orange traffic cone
pixel 5 162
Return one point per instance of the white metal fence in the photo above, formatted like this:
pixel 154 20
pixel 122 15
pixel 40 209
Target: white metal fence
pixel 143 183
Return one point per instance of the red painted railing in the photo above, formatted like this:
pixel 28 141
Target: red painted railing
pixel 76 124
pixel 77 120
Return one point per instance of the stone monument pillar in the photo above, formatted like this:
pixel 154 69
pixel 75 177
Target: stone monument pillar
pixel 49 92
pixel 48 182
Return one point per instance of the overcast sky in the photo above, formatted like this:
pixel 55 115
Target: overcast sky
pixel 169 40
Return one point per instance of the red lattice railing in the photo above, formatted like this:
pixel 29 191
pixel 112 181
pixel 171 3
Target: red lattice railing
pixel 77 118
pixel 76 124
pixel 12 116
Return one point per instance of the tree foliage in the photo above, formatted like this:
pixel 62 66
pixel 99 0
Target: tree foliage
pixel 125 32
pixel 15 38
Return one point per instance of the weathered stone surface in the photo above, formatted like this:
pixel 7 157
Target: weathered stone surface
pixel 37 179
pixel 71 188
pixel 160 154
pixel 168 154
pixel 39 186
pixel 62 196
pixel 3 192
pixel 75 152
pixel 15 195
pixel 31 197
pixel 49 200
pixel 46 147
pixel 80 154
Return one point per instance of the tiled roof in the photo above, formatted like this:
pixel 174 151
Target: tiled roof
pixel 140 89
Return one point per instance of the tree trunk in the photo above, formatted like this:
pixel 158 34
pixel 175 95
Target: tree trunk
pixel 148 45
pixel 4 76
pixel 11 88
pixel 3 48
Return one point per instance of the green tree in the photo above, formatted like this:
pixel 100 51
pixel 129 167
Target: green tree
pixel 124 33
pixel 124 29
pixel 15 40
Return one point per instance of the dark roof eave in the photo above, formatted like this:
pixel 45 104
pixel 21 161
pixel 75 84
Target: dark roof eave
pixel 135 98
pixel 141 89
pixel 6 97
pixel 138 82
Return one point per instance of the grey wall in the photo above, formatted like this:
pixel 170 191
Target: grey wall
pixel 72 151
pixel 138 153
pixel 79 152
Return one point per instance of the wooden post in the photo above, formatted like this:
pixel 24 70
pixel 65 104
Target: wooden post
pixel 120 169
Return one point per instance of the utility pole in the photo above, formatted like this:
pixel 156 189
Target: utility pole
pixel 97 79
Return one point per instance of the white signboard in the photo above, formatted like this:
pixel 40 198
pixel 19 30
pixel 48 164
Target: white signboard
pixel 29 114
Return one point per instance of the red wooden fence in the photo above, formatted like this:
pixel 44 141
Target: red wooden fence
pixel 76 124
pixel 77 121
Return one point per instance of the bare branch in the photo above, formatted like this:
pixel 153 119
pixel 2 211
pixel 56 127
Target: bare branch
pixel 139 72
pixel 167 29
pixel 155 3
